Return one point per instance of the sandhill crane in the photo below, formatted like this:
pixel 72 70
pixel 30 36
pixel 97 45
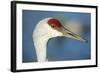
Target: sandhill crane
pixel 47 29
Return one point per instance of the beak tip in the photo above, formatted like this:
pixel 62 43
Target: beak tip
pixel 86 41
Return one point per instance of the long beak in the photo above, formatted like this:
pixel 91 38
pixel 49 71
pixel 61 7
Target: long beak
pixel 72 35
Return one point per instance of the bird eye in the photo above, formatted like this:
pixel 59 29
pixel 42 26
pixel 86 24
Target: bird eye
pixel 53 26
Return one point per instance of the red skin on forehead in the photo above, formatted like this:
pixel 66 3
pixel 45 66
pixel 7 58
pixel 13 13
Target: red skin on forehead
pixel 54 23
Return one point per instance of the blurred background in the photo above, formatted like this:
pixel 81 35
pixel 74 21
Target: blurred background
pixel 59 48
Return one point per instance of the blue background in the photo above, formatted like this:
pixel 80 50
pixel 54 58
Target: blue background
pixel 60 48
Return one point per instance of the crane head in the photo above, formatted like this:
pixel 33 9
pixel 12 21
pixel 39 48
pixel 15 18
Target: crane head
pixel 46 29
pixel 55 24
